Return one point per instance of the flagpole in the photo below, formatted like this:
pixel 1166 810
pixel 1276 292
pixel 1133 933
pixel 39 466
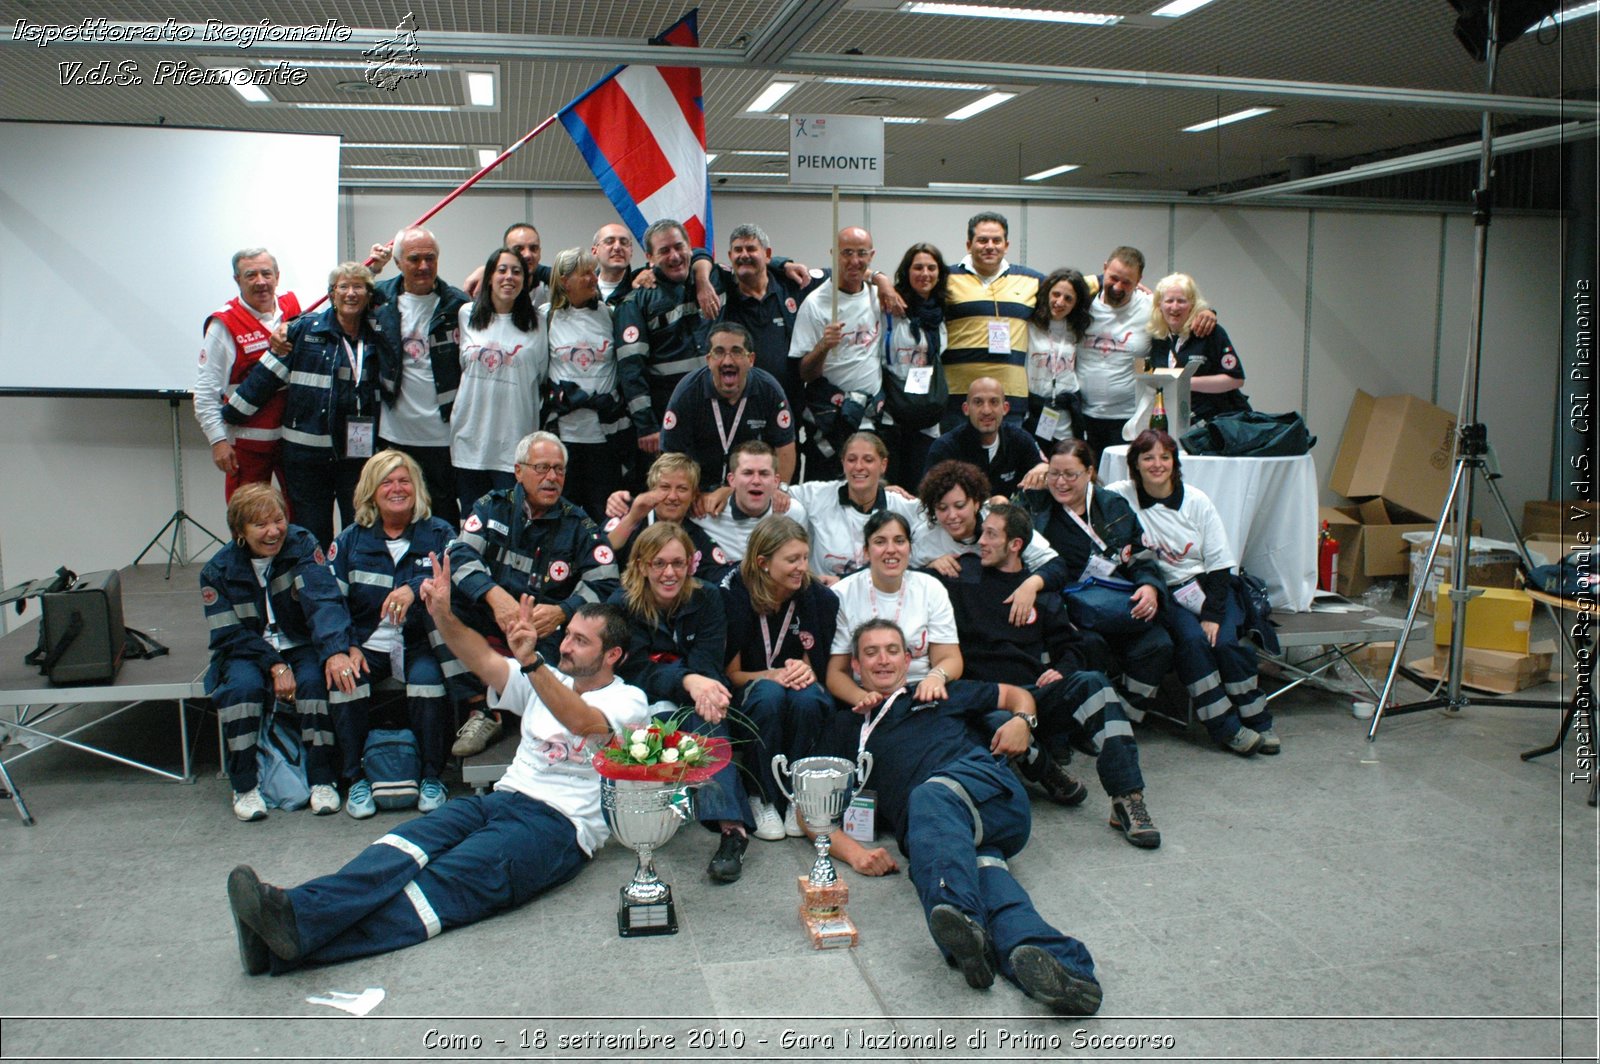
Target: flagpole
pixel 473 180
pixel 833 308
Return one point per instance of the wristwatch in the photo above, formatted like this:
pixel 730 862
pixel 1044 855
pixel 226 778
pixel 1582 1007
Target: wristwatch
pixel 535 665
pixel 1032 719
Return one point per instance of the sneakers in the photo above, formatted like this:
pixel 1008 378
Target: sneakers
pixel 249 805
pixel 1129 816
pixel 967 943
pixel 791 824
pixel 358 803
pixel 1270 743
pixel 477 733
pixel 728 863
pixel 324 799
pixel 1044 770
pixel 1046 980
pixel 1245 742
pixel 769 825
pixel 432 796
pixel 264 910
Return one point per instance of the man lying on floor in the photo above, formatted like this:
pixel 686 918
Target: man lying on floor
pixel 950 799
pixel 475 856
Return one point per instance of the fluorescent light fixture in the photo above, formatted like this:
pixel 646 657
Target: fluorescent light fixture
pixel 902 120
pixel 1045 175
pixel 906 83
pixel 487 156
pixel 480 88
pixel 1570 13
pixel 749 173
pixel 769 97
pixel 380 166
pixel 377 107
pixel 339 64
pixel 407 147
pixel 1023 14
pixel 1179 8
pixel 239 82
pixel 980 105
pixel 1237 116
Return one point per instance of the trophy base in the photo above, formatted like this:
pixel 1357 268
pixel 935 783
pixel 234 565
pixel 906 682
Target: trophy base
pixel 822 913
pixel 655 918
pixel 830 932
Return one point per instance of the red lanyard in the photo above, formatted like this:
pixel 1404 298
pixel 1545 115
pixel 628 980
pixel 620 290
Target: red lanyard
pixel 766 636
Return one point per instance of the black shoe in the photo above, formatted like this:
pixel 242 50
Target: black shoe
pixel 967 942
pixel 265 910
pixel 1047 980
pixel 254 957
pixel 1045 771
pixel 728 863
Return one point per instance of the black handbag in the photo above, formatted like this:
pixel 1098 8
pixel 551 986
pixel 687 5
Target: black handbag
pixel 1251 434
pixel 1100 604
pixel 911 410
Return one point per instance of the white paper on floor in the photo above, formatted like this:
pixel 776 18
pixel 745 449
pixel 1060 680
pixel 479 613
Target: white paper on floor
pixel 355 1004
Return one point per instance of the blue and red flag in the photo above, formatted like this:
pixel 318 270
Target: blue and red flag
pixel 642 130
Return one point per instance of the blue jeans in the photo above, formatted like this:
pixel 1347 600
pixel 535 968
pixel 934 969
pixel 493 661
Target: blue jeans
pixel 472 858
pixel 956 861
pixel 785 722
pixel 1221 679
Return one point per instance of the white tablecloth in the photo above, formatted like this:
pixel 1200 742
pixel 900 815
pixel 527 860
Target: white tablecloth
pixel 1268 506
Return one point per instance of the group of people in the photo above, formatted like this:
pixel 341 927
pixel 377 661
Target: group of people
pixel 600 467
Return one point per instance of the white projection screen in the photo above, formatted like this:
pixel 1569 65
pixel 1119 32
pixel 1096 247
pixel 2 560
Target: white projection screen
pixel 115 244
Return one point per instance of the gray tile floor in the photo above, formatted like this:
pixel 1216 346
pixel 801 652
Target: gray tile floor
pixel 1427 897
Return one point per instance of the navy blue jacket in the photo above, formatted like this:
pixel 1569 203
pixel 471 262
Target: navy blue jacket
pixel 305 602
pixel 367 572
pixel 444 342
pixel 690 642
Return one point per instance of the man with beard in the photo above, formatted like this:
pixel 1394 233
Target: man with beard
pixel 474 856
pixel 725 402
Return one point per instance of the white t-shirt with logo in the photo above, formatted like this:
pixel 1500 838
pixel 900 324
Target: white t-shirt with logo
pixel 414 418
pixel 1117 338
pixel 732 533
pixel 497 404
pixel 856 364
pixel 921 608
pixel 556 767
pixel 838 530
pixel 583 351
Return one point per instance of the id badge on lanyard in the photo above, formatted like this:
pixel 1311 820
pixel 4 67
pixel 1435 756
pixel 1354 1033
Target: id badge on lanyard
pixel 359 432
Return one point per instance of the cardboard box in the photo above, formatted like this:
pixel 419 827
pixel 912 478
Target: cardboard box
pixel 1372 543
pixel 1396 448
pixel 1549 549
pixel 1496 671
pixel 1557 518
pixel 1173 384
pixel 1498 619
pixel 1490 563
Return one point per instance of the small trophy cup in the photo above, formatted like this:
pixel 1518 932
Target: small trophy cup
pixel 643 815
pixel 820 785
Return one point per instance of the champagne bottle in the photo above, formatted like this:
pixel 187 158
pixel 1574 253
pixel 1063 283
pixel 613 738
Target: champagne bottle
pixel 1158 418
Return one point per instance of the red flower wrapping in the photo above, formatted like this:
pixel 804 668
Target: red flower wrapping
pixel 718 753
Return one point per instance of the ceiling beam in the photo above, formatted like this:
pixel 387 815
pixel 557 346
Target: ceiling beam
pixel 478 47
pixel 1506 145
pixel 792 25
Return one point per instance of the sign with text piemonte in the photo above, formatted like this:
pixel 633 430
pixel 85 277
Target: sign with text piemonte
pixel 835 150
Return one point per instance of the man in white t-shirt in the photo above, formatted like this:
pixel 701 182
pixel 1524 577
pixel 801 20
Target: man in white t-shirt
pixel 840 352
pixel 475 856
pixel 419 366
pixel 1118 339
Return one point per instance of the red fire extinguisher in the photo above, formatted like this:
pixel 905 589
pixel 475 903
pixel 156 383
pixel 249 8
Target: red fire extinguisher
pixel 1327 559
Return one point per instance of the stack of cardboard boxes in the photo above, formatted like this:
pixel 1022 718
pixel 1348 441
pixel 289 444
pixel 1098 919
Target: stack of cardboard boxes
pixel 1394 464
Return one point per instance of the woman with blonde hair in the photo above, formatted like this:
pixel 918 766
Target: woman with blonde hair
pixel 1214 389
pixel 585 398
pixel 380 562
pixel 280 633
pixel 678 632
pixel 780 629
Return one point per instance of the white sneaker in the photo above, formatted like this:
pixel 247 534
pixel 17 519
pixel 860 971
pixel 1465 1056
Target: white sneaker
pixel 769 825
pixel 477 733
pixel 324 799
pixel 249 805
pixel 791 824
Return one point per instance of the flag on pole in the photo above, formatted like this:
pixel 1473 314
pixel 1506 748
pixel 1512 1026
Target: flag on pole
pixel 642 130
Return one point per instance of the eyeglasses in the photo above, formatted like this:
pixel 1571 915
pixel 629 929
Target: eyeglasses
pixel 542 468
pixel 1064 475
pixel 660 566
pixel 855 253
pixel 720 354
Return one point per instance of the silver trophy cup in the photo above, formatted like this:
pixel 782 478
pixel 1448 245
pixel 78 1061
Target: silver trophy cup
pixel 643 815
pixel 820 785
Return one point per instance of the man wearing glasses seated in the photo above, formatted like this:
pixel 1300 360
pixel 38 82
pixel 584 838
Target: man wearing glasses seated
pixel 527 540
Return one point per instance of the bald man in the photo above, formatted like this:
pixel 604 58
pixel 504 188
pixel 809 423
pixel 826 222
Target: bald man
pixel 1007 454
